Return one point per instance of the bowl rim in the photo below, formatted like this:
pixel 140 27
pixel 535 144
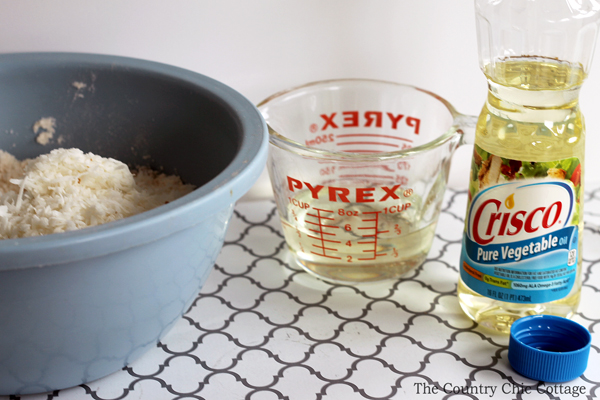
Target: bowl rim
pixel 215 195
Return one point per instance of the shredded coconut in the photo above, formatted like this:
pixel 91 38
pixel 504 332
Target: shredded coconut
pixel 67 189
pixel 44 129
pixel 79 85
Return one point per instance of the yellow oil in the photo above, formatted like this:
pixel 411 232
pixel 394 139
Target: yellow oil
pixel 360 242
pixel 531 114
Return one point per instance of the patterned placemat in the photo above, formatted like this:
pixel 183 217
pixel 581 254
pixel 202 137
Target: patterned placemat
pixel 263 329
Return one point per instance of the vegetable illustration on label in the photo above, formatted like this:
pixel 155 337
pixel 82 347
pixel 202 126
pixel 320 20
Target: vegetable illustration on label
pixel 521 233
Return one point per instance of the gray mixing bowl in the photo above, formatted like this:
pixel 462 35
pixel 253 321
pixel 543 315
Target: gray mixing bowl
pixel 77 306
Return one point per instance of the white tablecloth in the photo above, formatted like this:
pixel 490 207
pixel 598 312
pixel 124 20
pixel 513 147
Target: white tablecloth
pixel 262 329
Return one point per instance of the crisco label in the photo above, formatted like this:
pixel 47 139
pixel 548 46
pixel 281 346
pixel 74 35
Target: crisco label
pixel 521 235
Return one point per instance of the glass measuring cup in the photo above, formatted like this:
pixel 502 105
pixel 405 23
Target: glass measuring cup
pixel 359 169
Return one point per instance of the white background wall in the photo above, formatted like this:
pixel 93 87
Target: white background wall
pixel 259 47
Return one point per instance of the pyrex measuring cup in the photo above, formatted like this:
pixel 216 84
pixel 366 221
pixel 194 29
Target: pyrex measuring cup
pixel 359 169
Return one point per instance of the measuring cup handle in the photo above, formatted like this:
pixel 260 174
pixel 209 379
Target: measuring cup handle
pixel 466 125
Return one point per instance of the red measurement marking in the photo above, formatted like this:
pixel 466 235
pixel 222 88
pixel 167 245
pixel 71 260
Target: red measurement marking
pixel 375 220
pixel 372 135
pixel 324 240
pixel 367 176
pixel 373 143
pixel 322 247
pixel 385 167
pixel 319 218
pixel 372 251
pixel 328 256
pixel 374 256
pixel 364 151
pixel 319 224
pixel 370 220
pixel 320 234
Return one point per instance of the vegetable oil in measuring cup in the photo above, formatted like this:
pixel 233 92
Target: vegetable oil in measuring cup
pixel 352 241
pixel 521 250
pixel 358 170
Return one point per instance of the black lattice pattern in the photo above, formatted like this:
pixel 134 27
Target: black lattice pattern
pixel 262 329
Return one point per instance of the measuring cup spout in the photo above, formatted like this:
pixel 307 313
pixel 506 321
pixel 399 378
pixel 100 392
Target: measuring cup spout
pixel 465 125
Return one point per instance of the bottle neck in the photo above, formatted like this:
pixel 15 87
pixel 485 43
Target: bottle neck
pixel 532 105
pixel 528 86
pixel 536 99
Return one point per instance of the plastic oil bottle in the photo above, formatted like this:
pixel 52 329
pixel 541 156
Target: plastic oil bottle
pixel 521 252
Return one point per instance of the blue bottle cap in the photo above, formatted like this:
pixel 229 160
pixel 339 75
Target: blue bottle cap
pixel 549 348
